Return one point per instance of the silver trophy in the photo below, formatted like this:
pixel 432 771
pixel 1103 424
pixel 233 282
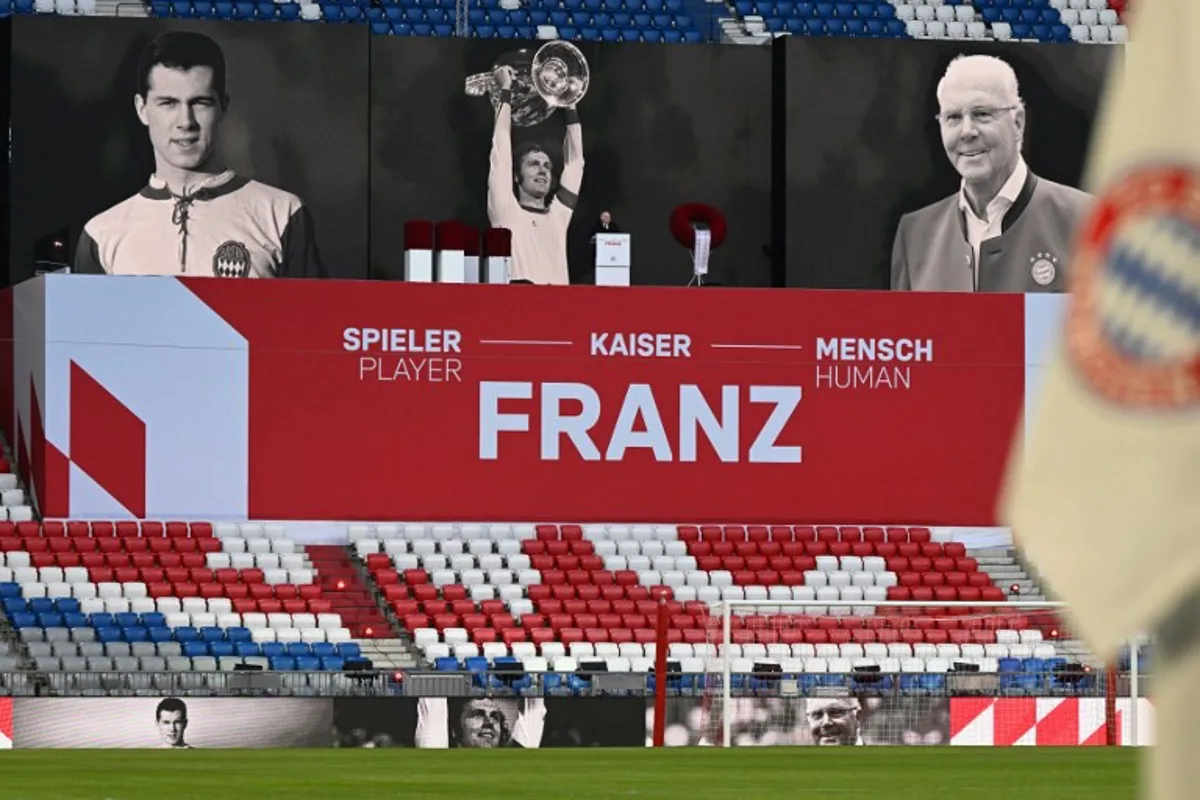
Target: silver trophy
pixel 556 76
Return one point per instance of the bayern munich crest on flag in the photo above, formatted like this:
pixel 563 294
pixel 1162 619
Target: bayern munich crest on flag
pixel 1133 332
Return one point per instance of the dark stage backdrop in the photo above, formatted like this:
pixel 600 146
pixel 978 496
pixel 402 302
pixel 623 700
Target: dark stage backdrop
pixel 863 147
pixel 297 120
pixel 662 125
pixel 6 27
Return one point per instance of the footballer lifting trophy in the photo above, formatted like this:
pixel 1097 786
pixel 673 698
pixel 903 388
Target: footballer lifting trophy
pixel 556 76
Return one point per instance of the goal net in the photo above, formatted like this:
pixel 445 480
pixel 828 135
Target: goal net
pixel 856 672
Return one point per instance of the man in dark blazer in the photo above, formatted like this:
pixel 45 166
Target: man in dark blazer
pixel 1006 229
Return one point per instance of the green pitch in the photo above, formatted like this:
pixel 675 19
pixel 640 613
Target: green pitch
pixel 693 774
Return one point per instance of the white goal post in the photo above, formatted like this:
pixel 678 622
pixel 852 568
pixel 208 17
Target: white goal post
pixel 890 651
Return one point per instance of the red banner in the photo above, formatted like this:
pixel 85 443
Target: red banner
pixel 406 401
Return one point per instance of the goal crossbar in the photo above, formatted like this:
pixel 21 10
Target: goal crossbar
pixel 728 610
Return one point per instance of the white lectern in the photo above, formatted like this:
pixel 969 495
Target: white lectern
pixel 612 259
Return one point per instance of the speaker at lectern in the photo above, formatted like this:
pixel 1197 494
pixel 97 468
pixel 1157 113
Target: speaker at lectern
pixel 612 259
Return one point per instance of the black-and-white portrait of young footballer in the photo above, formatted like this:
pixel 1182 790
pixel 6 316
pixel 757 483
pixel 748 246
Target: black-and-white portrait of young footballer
pixel 194 216
pixel 525 196
pixel 171 717
pixel 480 722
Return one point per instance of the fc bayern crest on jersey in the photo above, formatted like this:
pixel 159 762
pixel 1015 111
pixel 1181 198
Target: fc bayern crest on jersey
pixel 1133 332
pixel 232 260
pixel 1043 267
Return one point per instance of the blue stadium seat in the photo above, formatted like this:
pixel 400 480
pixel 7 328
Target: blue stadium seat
pixel 203 9
pixel 67 605
pixel 567 33
pixel 13 605
pixel 1021 31
pixel 41 605
pixel 693 37
pixel 244 9
pixel 843 10
pixel 160 8
pixel 856 27
pixel 273 649
pixel 332 664
pixel 221 649
pixel 283 663
pixel 247 649
pixel 159 634
pixel 126 620
pixel 297 649
pixel 75 620
pixel 135 633
pixel 186 634
pixel 10 590
pixel 652 35
pixel 590 34
pixel 181 8
pixel 876 27
pixel 349 650
pixel 52 620
pixel 24 619
pixel 212 634
pixel 238 634
pixel 446 664
pixel 223 9
pixel 896 29
pixel 422 29
pixel 195 649
pixel 672 36
pixel 621 19
pixel 484 32
pixel 478 667
pixel 308 664
pixel 289 12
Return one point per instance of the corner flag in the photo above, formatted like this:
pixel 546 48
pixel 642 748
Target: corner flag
pixel 1105 498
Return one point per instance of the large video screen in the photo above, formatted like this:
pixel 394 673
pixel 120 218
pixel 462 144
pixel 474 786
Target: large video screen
pixel 889 145
pixel 200 148
pixel 656 127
